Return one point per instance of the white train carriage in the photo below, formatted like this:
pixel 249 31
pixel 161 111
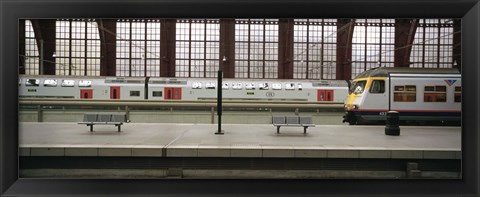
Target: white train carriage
pixel 185 89
pixel 123 88
pixel 254 89
pixel 52 86
pixel 418 94
pixel 56 86
pixel 166 88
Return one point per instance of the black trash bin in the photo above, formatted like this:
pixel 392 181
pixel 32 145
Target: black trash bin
pixel 392 123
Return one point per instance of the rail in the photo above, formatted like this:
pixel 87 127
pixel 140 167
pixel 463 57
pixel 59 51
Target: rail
pixel 39 104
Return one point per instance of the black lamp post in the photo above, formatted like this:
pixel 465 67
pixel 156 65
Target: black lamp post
pixel 219 97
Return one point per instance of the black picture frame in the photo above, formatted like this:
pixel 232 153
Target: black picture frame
pixel 11 11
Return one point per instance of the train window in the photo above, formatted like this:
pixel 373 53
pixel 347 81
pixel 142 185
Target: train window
pixel 441 88
pixel 435 94
pixel 357 87
pixel 237 86
pixel 84 83
pixel 378 86
pixel 407 93
pixel 50 83
pixel 263 86
pixel 32 82
pixel 399 88
pixel 225 86
pixel 458 94
pixel 157 94
pixel 197 85
pixel 249 86
pixel 411 88
pixel 176 93
pixel 134 93
pixel 210 85
pixel 289 86
pixel 429 88
pixel 68 83
pixel 276 86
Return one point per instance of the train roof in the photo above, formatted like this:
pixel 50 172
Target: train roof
pixel 385 71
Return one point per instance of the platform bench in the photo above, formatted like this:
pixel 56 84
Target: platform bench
pixel 292 121
pixel 104 118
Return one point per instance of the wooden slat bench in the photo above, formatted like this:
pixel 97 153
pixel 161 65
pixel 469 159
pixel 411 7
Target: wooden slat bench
pixel 104 118
pixel 292 121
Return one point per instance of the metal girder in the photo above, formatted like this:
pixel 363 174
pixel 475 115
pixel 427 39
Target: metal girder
pixel 404 35
pixel 107 29
pixel 45 36
pixel 227 47
pixel 285 48
pixel 21 47
pixel 345 29
pixel 167 47
pixel 457 43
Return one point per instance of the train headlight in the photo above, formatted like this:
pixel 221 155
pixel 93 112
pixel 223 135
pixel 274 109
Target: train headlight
pixel 355 107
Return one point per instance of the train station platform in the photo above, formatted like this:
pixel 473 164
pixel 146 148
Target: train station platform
pixel 239 140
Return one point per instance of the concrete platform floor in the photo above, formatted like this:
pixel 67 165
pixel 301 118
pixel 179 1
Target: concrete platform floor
pixel 239 140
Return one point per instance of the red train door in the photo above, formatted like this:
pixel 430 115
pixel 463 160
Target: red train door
pixel 321 95
pixel 177 93
pixel 173 93
pixel 168 93
pixel 325 95
pixel 86 94
pixel 115 92
pixel 329 95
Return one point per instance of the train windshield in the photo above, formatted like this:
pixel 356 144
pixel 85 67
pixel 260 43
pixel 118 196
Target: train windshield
pixel 357 87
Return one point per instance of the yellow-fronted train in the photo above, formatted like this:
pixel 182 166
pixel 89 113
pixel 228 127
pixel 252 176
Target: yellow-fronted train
pixel 419 95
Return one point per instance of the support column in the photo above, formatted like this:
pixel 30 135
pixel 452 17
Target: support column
pixel 167 47
pixel 227 47
pixel 44 30
pixel 21 47
pixel 344 48
pixel 457 43
pixel 404 35
pixel 107 28
pixel 285 48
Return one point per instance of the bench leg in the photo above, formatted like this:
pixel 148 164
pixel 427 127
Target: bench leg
pixel 91 128
pixel 118 128
pixel 278 129
pixel 305 130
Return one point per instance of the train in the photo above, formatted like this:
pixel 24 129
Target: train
pixel 180 89
pixel 419 95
